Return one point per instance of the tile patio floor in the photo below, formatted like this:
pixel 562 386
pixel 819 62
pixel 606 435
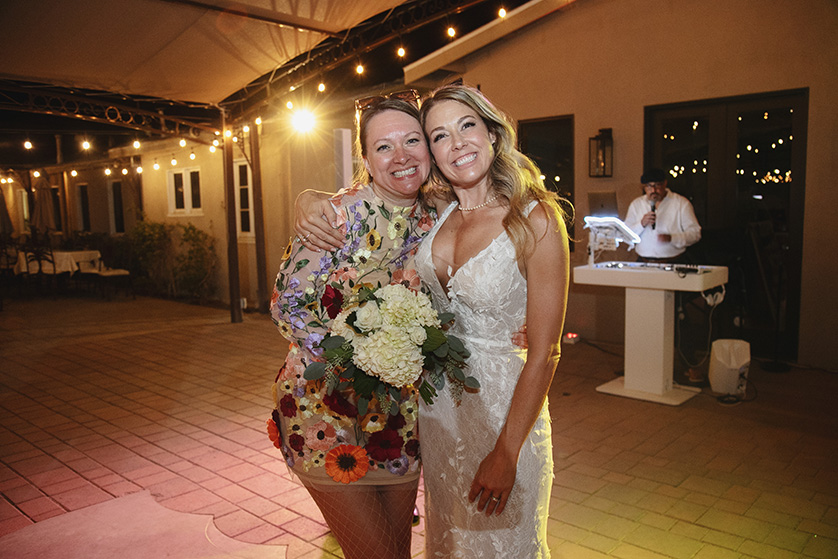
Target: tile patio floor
pixel 104 399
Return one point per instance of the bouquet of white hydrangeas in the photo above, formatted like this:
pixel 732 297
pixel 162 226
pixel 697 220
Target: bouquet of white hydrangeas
pixel 382 340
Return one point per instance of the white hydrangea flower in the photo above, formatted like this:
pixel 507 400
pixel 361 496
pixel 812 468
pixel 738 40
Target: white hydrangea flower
pixel 390 355
pixel 368 317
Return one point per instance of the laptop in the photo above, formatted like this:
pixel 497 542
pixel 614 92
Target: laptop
pixel 603 204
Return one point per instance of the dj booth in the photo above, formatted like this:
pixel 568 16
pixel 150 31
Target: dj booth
pixel 650 320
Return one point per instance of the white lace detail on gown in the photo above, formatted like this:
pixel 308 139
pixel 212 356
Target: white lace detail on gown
pixel 488 296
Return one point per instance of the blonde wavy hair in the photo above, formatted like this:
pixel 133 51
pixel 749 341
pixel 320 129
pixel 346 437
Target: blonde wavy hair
pixel 513 175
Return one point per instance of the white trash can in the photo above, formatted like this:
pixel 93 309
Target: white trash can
pixel 729 363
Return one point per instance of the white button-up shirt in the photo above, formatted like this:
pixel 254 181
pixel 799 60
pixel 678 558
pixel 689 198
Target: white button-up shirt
pixel 674 216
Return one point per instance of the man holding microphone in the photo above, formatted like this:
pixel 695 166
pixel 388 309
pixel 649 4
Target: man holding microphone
pixel 664 220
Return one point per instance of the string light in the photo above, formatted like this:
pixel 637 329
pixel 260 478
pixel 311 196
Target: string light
pixel 36 174
pixel 192 153
pixel 108 171
pixel 74 173
pixel 156 165
pixel 502 13
pixel 321 87
pixel 182 143
pixel 228 133
pixel 212 149
pixel 174 161
pixel 27 144
pixel 124 171
pixel 246 129
pixel 85 145
pixel 289 105
pixel 259 118
pixel 139 170
pixel 136 144
pixel 359 69
pixel 303 121
pixel 401 52
pixel 452 32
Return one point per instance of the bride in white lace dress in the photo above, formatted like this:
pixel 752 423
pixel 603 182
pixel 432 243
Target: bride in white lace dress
pixel 497 258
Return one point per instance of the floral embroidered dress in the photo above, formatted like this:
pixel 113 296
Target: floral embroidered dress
pixel 322 436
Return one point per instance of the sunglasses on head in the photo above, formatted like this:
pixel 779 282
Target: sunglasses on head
pixel 409 95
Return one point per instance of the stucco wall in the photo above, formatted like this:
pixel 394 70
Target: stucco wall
pixel 605 60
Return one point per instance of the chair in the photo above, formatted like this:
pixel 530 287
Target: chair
pixel 38 249
pixel 106 276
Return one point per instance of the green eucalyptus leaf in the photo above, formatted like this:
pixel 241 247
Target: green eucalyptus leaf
pixel 315 371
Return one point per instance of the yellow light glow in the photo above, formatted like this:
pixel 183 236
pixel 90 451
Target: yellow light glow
pixel 401 52
pixel 192 155
pixel 321 87
pixel 228 133
pixel 27 144
pixel 136 144
pixel 215 143
pixel 156 166
pixel 174 162
pixel 85 145
pixel 246 129
pixel 212 149
pixel 74 173
pixel 235 139
pixel 502 12
pixel 107 172
pixel 359 69
pixel 452 32
pixel 182 143
pixel 289 105
pixel 303 121
pixel 124 171
pixel 2 181
pixel 139 170
pixel 258 120
pixel 36 174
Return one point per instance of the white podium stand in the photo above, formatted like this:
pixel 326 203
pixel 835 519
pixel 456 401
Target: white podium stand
pixel 650 321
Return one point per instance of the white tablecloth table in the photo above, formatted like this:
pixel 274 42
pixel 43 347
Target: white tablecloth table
pixel 66 261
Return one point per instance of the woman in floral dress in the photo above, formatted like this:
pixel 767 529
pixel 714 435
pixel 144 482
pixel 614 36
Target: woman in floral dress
pixel 360 466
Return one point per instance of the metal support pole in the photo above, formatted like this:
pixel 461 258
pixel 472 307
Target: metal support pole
pixel 232 231
pixel 262 294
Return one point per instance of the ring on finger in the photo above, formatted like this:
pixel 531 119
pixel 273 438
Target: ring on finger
pixel 495 498
pixel 306 237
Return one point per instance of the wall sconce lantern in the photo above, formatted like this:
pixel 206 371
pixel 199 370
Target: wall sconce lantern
pixel 601 154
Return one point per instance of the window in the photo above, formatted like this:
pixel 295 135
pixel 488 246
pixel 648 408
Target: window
pixel 116 209
pixel 56 207
pixel 549 142
pixel 185 192
pixel 83 207
pixel 244 200
pixel 741 160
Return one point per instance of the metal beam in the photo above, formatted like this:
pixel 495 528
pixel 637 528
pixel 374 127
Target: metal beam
pixel 38 99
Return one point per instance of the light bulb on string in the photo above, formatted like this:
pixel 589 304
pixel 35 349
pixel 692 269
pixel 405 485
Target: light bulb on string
pixel 124 171
pixel 192 155
pixel 36 174
pixel 258 120
pixel 136 144
pixel 212 149
pixel 85 145
pixel 182 143
pixel 502 13
pixel 174 161
pixel 27 144
pixel 321 87
pixel 108 171
pixel 156 165
pixel 246 129
pixel 401 52
pixel 74 173
pixel 452 32
pixel 139 170
pixel 359 69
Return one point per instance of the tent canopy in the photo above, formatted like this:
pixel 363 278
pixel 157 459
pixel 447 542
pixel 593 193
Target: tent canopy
pixel 198 51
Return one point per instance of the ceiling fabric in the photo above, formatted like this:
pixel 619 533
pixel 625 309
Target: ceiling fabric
pixel 164 48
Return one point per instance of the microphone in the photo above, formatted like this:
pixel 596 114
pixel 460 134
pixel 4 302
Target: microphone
pixel 653 211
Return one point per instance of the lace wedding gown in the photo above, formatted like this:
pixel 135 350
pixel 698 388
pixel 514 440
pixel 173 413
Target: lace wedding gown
pixel 488 296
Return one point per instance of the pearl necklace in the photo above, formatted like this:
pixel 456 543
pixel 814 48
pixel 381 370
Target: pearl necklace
pixel 477 207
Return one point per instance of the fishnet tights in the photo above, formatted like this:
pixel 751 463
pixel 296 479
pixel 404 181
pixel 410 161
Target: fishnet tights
pixel 371 521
